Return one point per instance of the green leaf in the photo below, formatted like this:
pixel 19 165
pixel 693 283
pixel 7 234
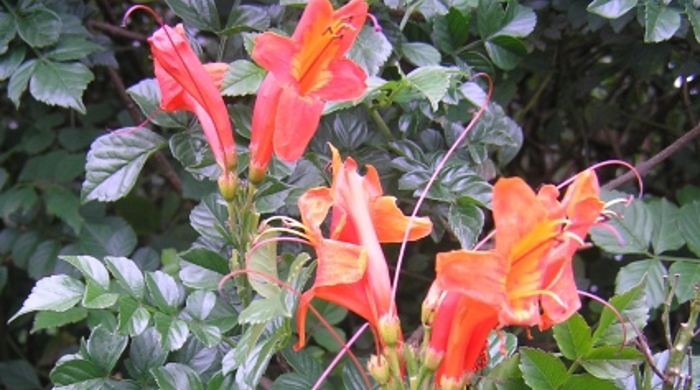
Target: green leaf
pixel 264 261
pixel 519 21
pixel 64 204
pixel 172 333
pixel 634 227
pixel 541 370
pixel 688 279
pixel 56 293
pixel 201 14
pixel 71 48
pixel 689 225
pixel 92 269
pixel 166 293
pixel 632 306
pixel 39 26
pixel 665 235
pixel 176 376
pixel 490 15
pixel 611 362
pixel 264 310
pixel 630 275
pixel 59 83
pixel 209 219
pixel 327 340
pixel 43 259
pixel 466 221
pixel 271 195
pixel 74 370
pixel 246 17
pixel 147 96
pixel 192 150
pixel 105 348
pixel 55 166
pixel 209 335
pixel 253 367
pixel 431 81
pixel 693 17
pixel 242 78
pixel 505 376
pixel 127 274
pixel 19 375
pixel 200 304
pixel 587 382
pixel 421 54
pixel 10 61
pixel 573 337
pixel 611 9
pixel 109 237
pixel 133 318
pixel 7 31
pixel 55 319
pixel 18 81
pixel 505 51
pixel 370 50
pixel 98 298
pixel 17 200
pixel 206 258
pixel 115 160
pixel 303 363
pixel 661 22
pixel 145 354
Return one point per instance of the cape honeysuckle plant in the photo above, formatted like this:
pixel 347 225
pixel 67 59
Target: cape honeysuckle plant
pixel 318 152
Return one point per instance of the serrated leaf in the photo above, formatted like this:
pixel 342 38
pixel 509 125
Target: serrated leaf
pixel 109 237
pixel 302 362
pixel 55 319
pixel 201 14
pixel 611 362
pixel 253 367
pixel 370 50
pixel 19 80
pixel 64 204
pixel 466 222
pixel 573 337
pixel 665 233
pixel 39 26
pixel 689 225
pixel 490 15
pixel 115 160
pixel 431 81
pixel 74 370
pixel 242 78
pixel 634 227
pixel 611 9
pixel 144 354
pixel 505 376
pixel 688 279
pixel 587 382
pixel 264 261
pixel 192 150
pixel 693 17
pixel 505 51
pixel 246 17
pixel 519 21
pixel 206 258
pixel 200 303
pixel 133 318
pixel 105 348
pixel 262 311
pixel 91 269
pixel 60 83
pixel 165 291
pixel 17 199
pixel 56 293
pixel 209 219
pixel 43 259
pixel 271 196
pixel 98 298
pixel 421 54
pixel 541 370
pixel 172 333
pixel 7 31
pixel 147 96
pixel 10 61
pixel 661 22
pixel 127 274
pixel 176 376
pixel 632 306
pixel 71 48
pixel 630 275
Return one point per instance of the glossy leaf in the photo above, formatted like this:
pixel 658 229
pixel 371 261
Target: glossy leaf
pixel 127 274
pixel 246 17
pixel 431 81
pixel 39 26
pixel 573 337
pixel 688 279
pixel 61 84
pixel 105 348
pixel 133 318
pixel 611 9
pixel 10 61
pixel 109 237
pixel 466 221
pixel 145 353
pixel 370 50
pixel 201 14
pixel 92 269
pixel 206 258
pixel 661 22
pixel 587 382
pixel 56 293
pixel 611 362
pixel 165 291
pixel 630 275
pixel 147 96
pixel 242 78
pixel 689 225
pixel 632 306
pixel 665 233
pixel 55 319
pixel 209 217
pixel 421 54
pixel 175 376
pixel 541 370
pixel 634 227
pixel 172 333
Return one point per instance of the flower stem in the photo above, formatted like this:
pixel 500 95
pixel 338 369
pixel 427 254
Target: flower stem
pixel 379 121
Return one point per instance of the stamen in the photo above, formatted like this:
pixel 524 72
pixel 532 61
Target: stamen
pixel 375 23
pixel 144 8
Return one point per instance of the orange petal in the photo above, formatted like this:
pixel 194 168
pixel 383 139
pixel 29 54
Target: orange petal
pixel 313 206
pixel 263 124
pixel 585 185
pixel 339 263
pixel 216 71
pixel 478 275
pixel 354 13
pixel 343 80
pixel 390 223
pixel 275 53
pixel 296 122
pixel 314 21
pixel 564 287
pixel 516 210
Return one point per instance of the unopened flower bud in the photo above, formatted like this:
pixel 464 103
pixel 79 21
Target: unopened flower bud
pixel 451 383
pixel 390 329
pixel 432 359
pixel 378 367
pixel 227 186
pixel 431 304
pixel 256 173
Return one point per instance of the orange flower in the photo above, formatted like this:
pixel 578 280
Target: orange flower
pixel 186 84
pixel 306 70
pixel 352 271
pixel 527 279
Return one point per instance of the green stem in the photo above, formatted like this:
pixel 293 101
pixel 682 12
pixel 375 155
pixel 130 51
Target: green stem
pixel 222 48
pixel 468 46
pixel 408 13
pixel 673 258
pixel 379 121
pixel 681 344
pixel 394 367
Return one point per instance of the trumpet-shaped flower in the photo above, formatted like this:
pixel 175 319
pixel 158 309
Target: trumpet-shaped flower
pixel 527 279
pixel 186 84
pixel 352 271
pixel 305 71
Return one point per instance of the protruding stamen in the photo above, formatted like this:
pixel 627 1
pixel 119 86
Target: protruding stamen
pixel 375 23
pixel 144 8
